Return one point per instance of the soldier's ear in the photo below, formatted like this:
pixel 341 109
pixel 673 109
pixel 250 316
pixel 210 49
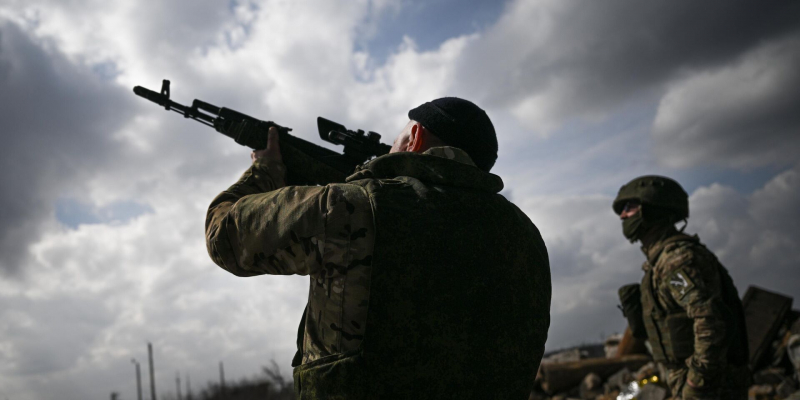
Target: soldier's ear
pixel 416 143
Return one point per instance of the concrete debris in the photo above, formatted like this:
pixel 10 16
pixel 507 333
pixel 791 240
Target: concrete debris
pixel 630 391
pixel 645 389
pixel 652 392
pixel 591 387
pixel 573 354
pixel 619 380
pixel 558 377
pixel 648 370
pixel 611 345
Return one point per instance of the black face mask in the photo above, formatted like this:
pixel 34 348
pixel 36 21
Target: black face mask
pixel 633 226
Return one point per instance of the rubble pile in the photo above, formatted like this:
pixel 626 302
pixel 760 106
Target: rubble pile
pixel 622 368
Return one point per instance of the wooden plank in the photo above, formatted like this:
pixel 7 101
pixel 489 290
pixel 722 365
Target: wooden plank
pixel 557 377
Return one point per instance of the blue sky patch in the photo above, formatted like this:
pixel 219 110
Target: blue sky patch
pixel 106 70
pixel 73 213
pixel 429 24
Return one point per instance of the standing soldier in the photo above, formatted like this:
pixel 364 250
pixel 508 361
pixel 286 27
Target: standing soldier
pixel 691 312
pixel 425 283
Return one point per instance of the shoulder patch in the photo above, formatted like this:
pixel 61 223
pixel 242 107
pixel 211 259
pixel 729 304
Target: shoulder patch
pixel 680 283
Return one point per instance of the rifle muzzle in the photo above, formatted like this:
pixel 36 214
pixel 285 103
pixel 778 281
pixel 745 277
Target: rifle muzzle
pixel 148 94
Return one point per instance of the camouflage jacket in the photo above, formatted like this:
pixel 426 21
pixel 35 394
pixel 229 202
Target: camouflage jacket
pixel 686 278
pixel 260 226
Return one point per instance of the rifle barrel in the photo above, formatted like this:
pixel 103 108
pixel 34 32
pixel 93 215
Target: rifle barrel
pixel 187 112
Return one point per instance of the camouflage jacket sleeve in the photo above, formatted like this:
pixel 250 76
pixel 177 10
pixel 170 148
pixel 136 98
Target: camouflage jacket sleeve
pixel 259 226
pixel 694 284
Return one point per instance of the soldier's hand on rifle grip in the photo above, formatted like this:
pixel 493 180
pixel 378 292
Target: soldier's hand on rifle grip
pixel 273 150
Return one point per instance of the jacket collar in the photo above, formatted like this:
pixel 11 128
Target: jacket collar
pixel 654 251
pixel 449 166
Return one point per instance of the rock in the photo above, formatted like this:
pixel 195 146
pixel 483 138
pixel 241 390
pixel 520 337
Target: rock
pixel 652 392
pixel 591 386
pixel 647 371
pixel 619 380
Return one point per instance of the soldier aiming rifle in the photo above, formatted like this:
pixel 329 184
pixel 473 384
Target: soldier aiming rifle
pixel 425 282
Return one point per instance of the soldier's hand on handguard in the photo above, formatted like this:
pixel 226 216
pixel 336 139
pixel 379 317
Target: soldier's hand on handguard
pixel 273 150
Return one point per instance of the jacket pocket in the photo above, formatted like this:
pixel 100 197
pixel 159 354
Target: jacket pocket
pixel 338 376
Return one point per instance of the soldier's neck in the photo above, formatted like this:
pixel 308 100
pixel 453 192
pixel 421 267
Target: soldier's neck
pixel 655 235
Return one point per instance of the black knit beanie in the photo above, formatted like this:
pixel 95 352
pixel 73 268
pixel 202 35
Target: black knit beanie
pixel 460 123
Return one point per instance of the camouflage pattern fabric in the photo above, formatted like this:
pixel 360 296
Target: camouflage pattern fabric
pixel 733 385
pixel 258 226
pixel 459 293
pixel 690 292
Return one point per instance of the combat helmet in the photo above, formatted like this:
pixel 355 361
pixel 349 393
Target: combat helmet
pixel 656 191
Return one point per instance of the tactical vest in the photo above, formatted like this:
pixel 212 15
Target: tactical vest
pixel 459 300
pixel 671 332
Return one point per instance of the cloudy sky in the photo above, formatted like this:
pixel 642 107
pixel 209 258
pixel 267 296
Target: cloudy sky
pixel 104 194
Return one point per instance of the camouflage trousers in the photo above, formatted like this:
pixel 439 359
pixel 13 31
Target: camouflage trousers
pixel 732 386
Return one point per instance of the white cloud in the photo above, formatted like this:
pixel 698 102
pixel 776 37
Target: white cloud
pixel 408 79
pixel 94 295
pixel 755 236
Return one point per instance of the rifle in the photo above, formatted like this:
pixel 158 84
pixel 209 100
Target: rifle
pixel 306 162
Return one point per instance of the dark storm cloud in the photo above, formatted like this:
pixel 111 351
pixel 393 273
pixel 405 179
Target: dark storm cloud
pixel 57 125
pixel 585 59
pixel 743 115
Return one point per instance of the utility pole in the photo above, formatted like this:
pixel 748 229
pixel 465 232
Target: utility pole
pixel 178 384
pixel 222 378
pixel 188 388
pixel 152 373
pixel 138 379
